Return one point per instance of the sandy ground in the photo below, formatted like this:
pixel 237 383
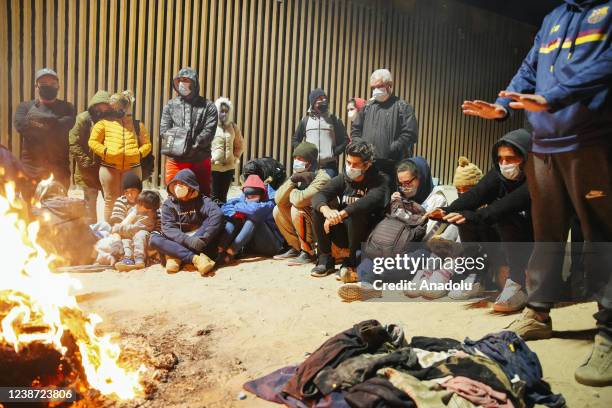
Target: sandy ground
pixel 255 317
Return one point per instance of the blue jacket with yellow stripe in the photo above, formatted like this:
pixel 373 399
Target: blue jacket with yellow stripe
pixel 570 64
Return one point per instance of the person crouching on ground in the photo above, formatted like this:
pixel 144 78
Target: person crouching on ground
pixel 293 211
pixel 135 230
pixel 250 227
pixel 191 224
pixel 498 208
pixel 347 208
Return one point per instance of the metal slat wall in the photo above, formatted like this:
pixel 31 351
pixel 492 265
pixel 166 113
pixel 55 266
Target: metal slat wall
pixel 266 55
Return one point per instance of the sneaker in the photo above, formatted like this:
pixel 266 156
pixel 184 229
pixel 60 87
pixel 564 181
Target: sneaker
pixel 418 276
pixel 596 371
pixel 302 259
pixel 139 263
pixel 125 265
pixel 466 294
pixel 290 253
pixel 203 264
pixel 348 274
pixel 362 291
pixel 512 299
pixel 529 328
pixel 435 278
pixel 322 270
pixel 173 265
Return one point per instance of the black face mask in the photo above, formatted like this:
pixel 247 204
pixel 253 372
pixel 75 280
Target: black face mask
pixel 47 92
pixel 323 106
pixel 116 114
pixel 96 116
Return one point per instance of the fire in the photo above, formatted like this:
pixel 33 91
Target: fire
pixel 42 299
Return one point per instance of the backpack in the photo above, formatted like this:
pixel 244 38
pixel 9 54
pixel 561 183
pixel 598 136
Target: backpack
pixel 394 234
pixel 268 169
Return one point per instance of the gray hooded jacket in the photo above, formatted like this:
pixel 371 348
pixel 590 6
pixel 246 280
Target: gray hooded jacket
pixel 192 112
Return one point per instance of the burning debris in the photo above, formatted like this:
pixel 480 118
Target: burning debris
pixel 46 340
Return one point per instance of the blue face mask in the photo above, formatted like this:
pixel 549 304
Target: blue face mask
pixel 299 166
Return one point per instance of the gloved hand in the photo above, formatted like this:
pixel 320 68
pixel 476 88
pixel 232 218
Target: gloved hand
pixel 303 179
pixel 196 244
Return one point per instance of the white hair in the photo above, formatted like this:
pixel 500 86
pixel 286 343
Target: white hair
pixel 383 74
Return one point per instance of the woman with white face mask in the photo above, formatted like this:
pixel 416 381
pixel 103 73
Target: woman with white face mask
pixel 226 150
pixel 353 107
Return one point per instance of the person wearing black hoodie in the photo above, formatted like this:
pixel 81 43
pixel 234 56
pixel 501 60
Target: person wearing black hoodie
pixel 324 130
pixel 191 224
pixel 498 208
pixel 192 112
pixel 348 207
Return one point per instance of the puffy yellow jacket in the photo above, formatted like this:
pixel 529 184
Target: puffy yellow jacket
pixel 116 143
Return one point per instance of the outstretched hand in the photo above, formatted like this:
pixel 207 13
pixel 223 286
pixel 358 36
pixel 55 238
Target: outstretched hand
pixel 483 109
pixel 528 102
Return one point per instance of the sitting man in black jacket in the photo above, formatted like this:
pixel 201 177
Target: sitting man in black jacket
pixel 498 208
pixel 191 224
pixel 347 208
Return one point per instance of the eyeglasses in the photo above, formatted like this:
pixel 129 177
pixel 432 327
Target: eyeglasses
pixel 407 183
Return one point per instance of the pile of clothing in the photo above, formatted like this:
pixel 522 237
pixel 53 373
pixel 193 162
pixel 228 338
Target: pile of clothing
pixel 371 365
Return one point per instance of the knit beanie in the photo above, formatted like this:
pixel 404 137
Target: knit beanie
pixel 467 174
pixel 308 151
pixel 314 95
pixel 131 180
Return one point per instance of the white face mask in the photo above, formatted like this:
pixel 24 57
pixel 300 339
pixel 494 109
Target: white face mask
pixel 352 172
pixel 510 171
pixel 352 114
pixel 184 88
pixel 408 192
pixel 181 191
pixel 380 94
pixel 299 166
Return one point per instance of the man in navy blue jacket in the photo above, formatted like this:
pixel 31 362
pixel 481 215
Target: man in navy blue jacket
pixel 191 224
pixel 565 86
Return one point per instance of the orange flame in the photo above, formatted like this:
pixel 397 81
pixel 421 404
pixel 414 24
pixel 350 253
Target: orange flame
pixel 44 299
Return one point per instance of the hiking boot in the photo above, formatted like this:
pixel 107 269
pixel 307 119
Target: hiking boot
pixel 303 258
pixel 125 265
pixel 173 265
pixel 348 274
pixel 596 371
pixel 290 253
pixel 529 328
pixel 203 264
pixel 322 270
pixel 512 299
pixel 362 291
pixel 466 294
pixel 433 279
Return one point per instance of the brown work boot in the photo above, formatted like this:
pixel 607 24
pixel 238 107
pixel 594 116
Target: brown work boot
pixel 173 265
pixel 203 264
pixel 596 371
pixel 529 328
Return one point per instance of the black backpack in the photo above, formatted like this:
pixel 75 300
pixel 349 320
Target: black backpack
pixel 395 233
pixel 268 169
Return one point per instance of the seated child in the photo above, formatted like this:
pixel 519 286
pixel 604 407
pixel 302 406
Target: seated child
pixel 250 216
pixel 132 186
pixel 135 230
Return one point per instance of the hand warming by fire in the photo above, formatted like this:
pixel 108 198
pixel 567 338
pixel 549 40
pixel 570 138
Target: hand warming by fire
pixel 40 317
